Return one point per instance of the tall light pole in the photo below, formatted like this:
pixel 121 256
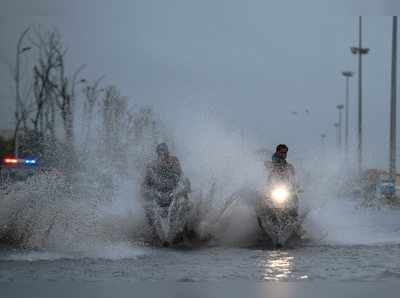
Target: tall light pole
pixel 336 125
pixel 347 74
pixel 393 90
pixel 359 51
pixel 340 108
pixel 18 102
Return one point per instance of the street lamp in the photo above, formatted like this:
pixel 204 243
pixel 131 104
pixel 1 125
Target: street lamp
pixel 393 91
pixel 360 51
pixel 347 74
pixel 340 108
pixel 336 125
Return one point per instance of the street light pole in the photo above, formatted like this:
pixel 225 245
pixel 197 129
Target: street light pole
pixel 393 91
pixel 347 75
pixel 359 51
pixel 340 108
pixel 336 125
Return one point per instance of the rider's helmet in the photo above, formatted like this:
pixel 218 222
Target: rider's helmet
pixel 162 148
pixel 280 153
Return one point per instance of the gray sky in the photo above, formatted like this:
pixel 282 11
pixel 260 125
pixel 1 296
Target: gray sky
pixel 247 63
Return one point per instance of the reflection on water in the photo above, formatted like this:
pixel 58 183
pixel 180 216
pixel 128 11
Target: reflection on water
pixel 279 267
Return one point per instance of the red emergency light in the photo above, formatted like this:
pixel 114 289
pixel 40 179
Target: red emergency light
pixel 10 160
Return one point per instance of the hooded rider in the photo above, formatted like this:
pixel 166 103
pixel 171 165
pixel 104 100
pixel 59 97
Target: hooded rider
pixel 160 186
pixel 163 174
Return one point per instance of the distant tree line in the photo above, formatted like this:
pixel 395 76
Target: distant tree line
pixel 53 104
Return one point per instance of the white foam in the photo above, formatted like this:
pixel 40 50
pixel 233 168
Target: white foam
pixel 117 251
pixel 33 256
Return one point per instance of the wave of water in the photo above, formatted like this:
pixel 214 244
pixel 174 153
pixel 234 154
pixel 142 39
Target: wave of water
pixel 56 222
pixel 58 219
pixel 339 219
pixel 342 221
pixel 86 214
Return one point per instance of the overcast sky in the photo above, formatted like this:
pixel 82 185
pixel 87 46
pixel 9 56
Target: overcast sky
pixel 248 63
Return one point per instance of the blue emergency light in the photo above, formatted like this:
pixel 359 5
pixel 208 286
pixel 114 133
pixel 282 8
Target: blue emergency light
pixel 30 161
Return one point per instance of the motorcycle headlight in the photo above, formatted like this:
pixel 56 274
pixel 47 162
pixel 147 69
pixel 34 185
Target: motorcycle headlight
pixel 280 195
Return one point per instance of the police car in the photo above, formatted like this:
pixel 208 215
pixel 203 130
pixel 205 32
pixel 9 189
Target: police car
pixel 17 169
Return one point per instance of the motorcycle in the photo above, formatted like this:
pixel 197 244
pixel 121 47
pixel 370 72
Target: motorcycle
pixel 168 213
pixel 277 212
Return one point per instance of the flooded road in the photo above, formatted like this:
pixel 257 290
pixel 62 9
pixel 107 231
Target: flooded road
pixel 91 239
pixel 313 263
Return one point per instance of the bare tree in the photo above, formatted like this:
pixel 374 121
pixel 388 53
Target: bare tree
pixel 53 87
pixel 45 83
pixel 66 99
pixel 54 98
pixel 21 110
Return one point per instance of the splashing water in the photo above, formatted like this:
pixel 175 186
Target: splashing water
pixel 46 212
pixel 98 213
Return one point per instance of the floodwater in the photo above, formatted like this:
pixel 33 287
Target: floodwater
pixel 307 263
pixel 91 240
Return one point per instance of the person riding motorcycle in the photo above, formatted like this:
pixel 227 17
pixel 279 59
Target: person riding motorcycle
pixel 162 175
pixel 163 184
pixel 281 170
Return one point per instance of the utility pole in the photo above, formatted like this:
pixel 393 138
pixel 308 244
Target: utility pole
pixel 393 90
pixel 347 74
pixel 360 51
pixel 336 125
pixel 340 108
